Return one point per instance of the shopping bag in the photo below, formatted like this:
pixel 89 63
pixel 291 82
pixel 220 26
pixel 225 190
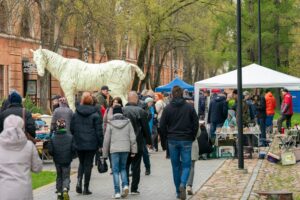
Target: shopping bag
pixel 288 158
pixel 102 165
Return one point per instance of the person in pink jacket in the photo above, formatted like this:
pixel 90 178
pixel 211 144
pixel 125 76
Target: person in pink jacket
pixel 18 158
pixel 286 109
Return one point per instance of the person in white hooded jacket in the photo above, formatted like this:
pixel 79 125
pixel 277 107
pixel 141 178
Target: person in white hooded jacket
pixel 18 158
pixel 119 141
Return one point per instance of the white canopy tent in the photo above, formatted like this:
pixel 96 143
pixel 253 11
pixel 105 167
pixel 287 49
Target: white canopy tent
pixel 253 76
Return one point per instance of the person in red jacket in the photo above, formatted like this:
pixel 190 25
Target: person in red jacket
pixel 270 110
pixel 286 109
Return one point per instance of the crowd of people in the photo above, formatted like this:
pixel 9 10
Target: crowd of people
pixel 105 127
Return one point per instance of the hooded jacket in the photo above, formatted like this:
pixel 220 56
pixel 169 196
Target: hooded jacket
pixel 18 158
pixel 86 127
pixel 64 112
pixel 287 104
pixel 179 121
pixel 217 112
pixel 270 103
pixel 119 136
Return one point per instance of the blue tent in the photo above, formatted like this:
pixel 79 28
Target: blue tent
pixel 177 81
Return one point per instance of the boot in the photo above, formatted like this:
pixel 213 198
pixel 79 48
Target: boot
pixel 86 190
pixel 79 185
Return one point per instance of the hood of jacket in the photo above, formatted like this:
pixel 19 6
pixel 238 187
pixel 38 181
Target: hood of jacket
pixel 177 102
pixel 269 94
pixel 119 121
pixel 12 137
pixel 86 110
pixel 220 98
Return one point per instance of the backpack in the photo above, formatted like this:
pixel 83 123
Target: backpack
pixel 204 142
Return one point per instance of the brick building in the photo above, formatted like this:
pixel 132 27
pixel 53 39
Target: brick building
pixel 17 70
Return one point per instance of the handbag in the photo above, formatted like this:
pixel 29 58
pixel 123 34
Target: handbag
pixel 102 165
pixel 29 137
pixel 204 142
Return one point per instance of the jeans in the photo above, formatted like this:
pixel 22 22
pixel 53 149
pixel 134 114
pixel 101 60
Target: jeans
pixel 213 128
pixel 62 177
pixel 146 158
pixel 288 119
pixel 180 154
pixel 135 163
pixel 85 165
pixel 119 161
pixel 262 126
pixel 191 176
pixel 269 120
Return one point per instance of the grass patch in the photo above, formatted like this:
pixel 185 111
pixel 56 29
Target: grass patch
pixel 295 117
pixel 43 178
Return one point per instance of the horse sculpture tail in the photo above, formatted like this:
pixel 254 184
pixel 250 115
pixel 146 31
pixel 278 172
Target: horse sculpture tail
pixel 139 72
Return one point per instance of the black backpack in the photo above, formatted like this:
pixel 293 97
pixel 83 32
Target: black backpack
pixel 204 142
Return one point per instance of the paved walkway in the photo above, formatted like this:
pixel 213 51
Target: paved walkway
pixel 159 185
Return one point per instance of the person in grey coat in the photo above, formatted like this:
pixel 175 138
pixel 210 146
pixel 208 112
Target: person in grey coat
pixel 119 141
pixel 62 112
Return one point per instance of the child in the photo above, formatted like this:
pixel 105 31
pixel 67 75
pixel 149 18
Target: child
pixel 61 147
pixel 119 140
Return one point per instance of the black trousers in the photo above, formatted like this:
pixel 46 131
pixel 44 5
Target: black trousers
pixel 135 163
pixel 85 165
pixel 282 118
pixel 62 177
pixel 163 140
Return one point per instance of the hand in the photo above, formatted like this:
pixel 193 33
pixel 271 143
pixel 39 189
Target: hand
pixel 100 150
pixel 149 146
pixel 132 155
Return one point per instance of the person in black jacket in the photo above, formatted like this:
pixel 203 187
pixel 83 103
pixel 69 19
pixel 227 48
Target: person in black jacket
pixel 86 126
pixel 261 115
pixel 179 122
pixel 15 107
pixel 139 121
pixel 217 113
pixel 62 148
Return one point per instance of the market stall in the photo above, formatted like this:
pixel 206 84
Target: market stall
pixel 177 81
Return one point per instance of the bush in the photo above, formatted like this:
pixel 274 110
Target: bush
pixel 30 106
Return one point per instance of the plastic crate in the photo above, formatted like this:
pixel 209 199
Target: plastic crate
pixel 225 152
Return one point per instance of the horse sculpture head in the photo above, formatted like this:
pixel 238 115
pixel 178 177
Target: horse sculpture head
pixel 40 60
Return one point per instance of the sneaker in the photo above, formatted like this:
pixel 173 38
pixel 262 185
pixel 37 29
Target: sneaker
pixel 125 191
pixel 135 192
pixel 66 195
pixel 182 193
pixel 117 196
pixel 147 172
pixel 189 190
pixel 59 196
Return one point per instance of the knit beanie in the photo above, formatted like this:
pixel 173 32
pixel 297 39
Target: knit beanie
pixel 148 99
pixel 61 124
pixel 117 109
pixel 15 98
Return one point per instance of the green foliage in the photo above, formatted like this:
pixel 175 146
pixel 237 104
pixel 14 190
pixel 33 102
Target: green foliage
pixel 42 178
pixel 30 106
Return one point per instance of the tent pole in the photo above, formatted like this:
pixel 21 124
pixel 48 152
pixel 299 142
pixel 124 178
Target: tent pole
pixel 239 84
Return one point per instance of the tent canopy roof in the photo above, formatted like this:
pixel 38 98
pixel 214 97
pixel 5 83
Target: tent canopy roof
pixel 177 81
pixel 253 76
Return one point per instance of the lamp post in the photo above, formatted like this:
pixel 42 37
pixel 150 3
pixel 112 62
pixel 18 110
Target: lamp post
pixel 259 34
pixel 239 86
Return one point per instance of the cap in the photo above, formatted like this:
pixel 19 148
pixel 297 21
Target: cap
pixel 56 97
pixel 215 90
pixel 105 87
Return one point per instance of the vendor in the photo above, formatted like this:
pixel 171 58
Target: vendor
pixel 230 122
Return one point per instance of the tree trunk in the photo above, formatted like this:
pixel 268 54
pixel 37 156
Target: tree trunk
pixel 277 53
pixel 148 77
pixel 141 60
pixel 187 73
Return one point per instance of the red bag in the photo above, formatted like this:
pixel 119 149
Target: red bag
pixel 102 109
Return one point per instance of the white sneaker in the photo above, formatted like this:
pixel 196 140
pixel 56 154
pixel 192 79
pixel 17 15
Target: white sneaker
pixel 125 191
pixel 117 196
pixel 189 190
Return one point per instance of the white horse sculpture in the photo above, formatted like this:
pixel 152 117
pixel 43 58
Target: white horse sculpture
pixel 75 75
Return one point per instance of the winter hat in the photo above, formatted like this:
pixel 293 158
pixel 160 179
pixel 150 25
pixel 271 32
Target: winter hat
pixel 246 93
pixel 148 99
pixel 117 109
pixel 15 98
pixel 61 123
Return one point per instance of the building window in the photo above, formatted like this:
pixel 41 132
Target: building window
pixel 1 82
pixel 25 23
pixel 3 17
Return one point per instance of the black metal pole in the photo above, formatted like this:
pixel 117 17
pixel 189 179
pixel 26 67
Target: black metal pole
pixel 239 86
pixel 259 34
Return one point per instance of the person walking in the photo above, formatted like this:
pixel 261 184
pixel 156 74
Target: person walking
pixel 86 127
pixel 179 122
pixel 15 107
pixel 270 110
pixel 286 110
pixel 18 158
pixel 159 107
pixel 119 142
pixel 62 112
pixel 108 115
pixel 139 121
pixel 62 148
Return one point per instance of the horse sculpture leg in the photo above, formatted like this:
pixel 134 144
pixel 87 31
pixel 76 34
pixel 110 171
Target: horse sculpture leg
pixel 70 95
